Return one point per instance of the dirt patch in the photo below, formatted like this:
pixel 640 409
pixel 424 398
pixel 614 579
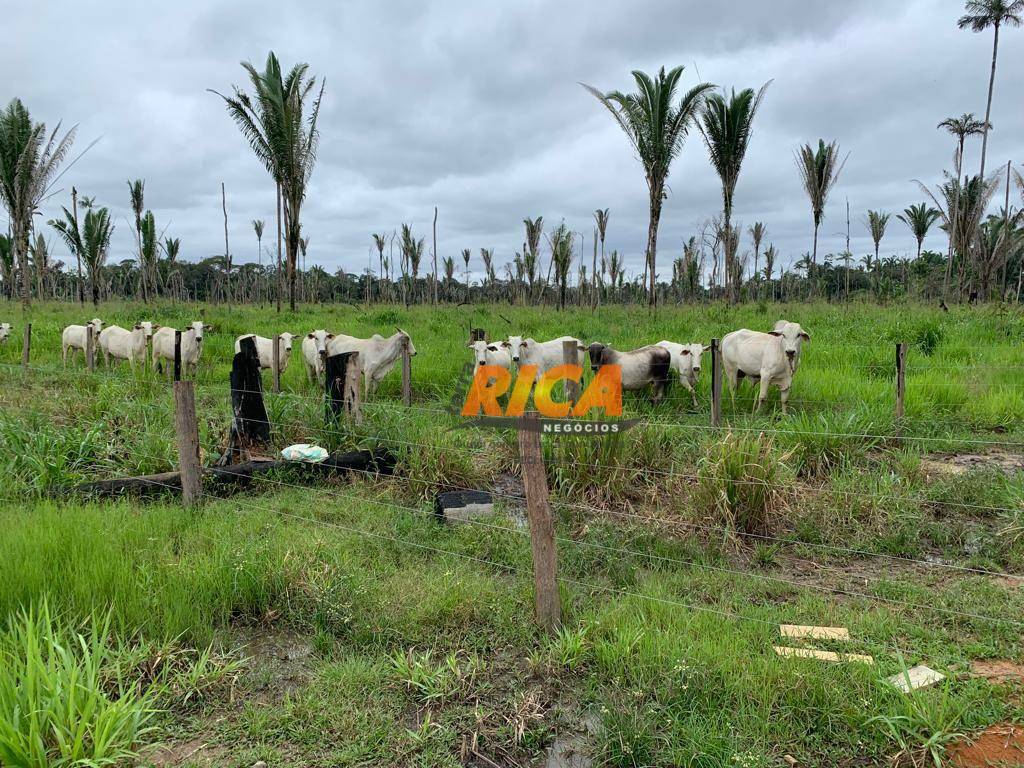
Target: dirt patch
pixel 998 670
pixel 960 463
pixel 280 660
pixel 997 745
pixel 192 752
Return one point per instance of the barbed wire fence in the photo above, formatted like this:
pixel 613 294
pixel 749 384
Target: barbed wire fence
pixel 342 402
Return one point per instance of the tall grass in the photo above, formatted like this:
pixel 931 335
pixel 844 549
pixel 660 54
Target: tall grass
pixel 741 481
pixel 58 704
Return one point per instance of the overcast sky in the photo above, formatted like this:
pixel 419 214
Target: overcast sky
pixel 476 108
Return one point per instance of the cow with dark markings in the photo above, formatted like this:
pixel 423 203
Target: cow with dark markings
pixel 643 367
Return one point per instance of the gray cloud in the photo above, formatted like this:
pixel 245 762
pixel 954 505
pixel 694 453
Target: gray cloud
pixel 476 108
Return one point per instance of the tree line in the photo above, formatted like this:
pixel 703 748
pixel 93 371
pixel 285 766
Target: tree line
pixel 278 118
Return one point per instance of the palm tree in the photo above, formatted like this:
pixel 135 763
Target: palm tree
pixel 656 128
pixel 757 232
pixel 92 242
pixel 726 125
pixel 961 127
pixel 876 222
pixel 283 137
pixel 137 199
pixel 601 218
pixel 29 160
pixel 561 242
pixel 379 241
pixel 819 171
pixel 962 205
pixel 466 254
pixel 148 245
pixel 531 256
pixel 258 225
pixel 982 14
pixel 449 274
pixel 412 252
pixel 919 218
pixel 770 254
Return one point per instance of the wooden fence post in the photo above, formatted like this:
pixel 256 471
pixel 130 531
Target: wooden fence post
pixel 90 347
pixel 186 429
pixel 26 345
pixel 547 601
pixel 275 365
pixel 406 373
pixel 716 384
pixel 901 384
pixel 353 389
pixel 177 355
pixel 570 356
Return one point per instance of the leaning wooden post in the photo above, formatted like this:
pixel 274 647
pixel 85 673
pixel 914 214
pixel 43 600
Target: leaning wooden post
pixel 26 345
pixel 186 429
pixel 90 347
pixel 177 355
pixel 716 384
pixel 353 386
pixel 547 602
pixel 901 384
pixel 275 365
pixel 406 373
pixel 570 356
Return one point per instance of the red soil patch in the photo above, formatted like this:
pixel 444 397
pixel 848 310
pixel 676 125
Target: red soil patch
pixel 998 671
pixel 997 745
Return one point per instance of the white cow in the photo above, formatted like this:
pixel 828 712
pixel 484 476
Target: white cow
pixel 314 350
pixel 73 338
pixel 544 354
pixel 265 349
pixel 5 331
pixel 769 358
pixel 149 327
pixel 191 347
pixel 122 344
pixel 650 365
pixel 486 353
pixel 686 362
pixel 377 355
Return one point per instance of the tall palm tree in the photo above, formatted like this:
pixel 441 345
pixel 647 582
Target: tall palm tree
pixel 92 242
pixel 601 219
pixel 531 256
pixel 379 241
pixel 727 124
pixel 962 205
pixel 29 163
pixel 960 127
pixel 412 252
pixel 137 200
pixel 466 255
pixel 561 242
pixel 148 247
pixel 876 222
pixel 258 225
pixel 656 126
pixel 819 171
pixel 757 232
pixel 284 138
pixel 982 14
pixel 919 218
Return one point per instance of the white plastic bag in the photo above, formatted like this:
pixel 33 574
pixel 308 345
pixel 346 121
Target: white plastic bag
pixel 304 452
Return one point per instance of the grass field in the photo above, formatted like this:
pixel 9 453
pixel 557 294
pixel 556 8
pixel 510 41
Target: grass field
pixel 341 625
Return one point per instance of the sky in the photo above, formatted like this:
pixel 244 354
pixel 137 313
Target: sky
pixel 477 108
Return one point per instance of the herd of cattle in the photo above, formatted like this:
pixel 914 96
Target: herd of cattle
pixel 767 359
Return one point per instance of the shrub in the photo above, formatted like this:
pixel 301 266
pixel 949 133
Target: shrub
pixel 740 478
